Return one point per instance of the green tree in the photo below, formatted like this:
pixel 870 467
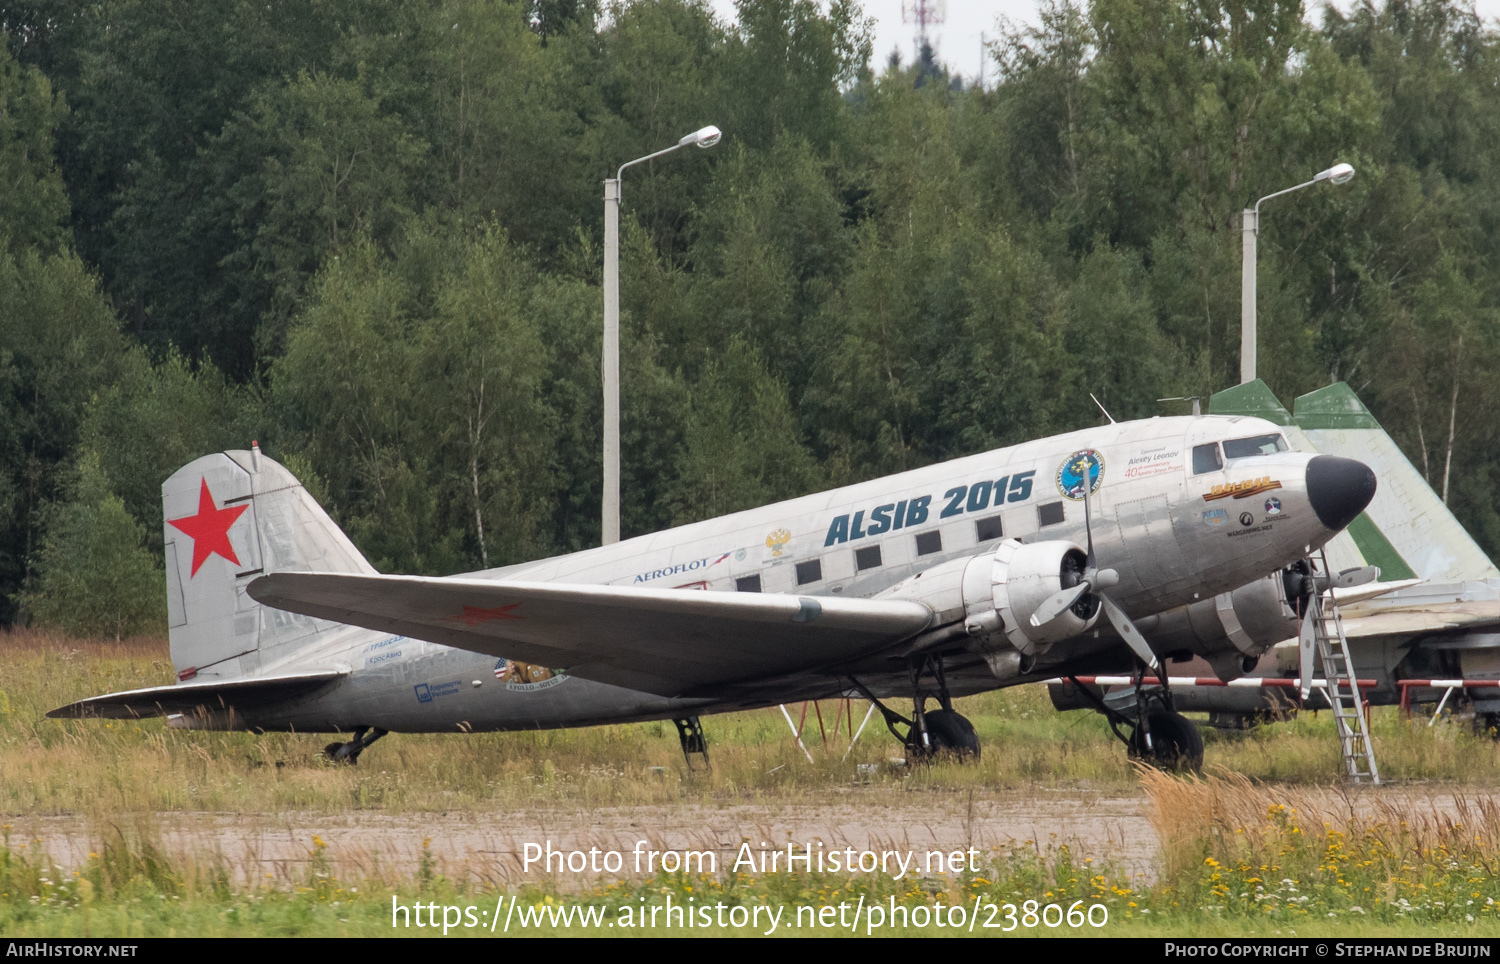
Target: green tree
pixel 741 445
pixel 59 343
pixel 95 575
pixel 33 204
pixel 482 363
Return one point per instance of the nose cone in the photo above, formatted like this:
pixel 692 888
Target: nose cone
pixel 1339 489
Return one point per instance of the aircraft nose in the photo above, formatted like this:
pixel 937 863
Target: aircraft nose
pixel 1339 489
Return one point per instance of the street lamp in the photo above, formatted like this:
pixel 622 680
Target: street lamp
pixel 1249 228
pixel 707 137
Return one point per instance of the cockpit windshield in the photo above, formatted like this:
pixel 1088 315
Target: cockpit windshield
pixel 1244 448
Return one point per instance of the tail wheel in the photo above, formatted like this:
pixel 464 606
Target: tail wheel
pixel 1175 743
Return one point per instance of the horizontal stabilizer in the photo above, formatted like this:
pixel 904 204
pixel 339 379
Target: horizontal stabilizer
pixel 212 695
pixel 671 642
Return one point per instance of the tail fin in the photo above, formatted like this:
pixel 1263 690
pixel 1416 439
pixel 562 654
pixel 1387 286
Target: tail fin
pixel 230 517
pixel 1406 525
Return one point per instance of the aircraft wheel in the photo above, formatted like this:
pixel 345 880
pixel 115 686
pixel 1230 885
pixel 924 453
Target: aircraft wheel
pixel 343 753
pixel 1487 724
pixel 950 732
pixel 1176 743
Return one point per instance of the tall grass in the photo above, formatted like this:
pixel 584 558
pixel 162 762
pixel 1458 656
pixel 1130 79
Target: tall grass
pixel 1243 849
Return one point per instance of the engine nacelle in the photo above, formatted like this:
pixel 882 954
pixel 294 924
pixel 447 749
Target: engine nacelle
pixel 1231 630
pixel 1023 576
pixel 994 594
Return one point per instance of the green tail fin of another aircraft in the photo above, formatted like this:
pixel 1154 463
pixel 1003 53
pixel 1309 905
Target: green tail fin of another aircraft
pixel 1406 525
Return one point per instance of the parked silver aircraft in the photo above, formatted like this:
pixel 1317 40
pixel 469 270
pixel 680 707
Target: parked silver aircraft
pixel 1435 615
pixel 960 577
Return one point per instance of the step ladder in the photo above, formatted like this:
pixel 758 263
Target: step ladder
pixel 1342 691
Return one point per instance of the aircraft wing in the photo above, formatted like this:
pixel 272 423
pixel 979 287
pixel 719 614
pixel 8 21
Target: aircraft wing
pixel 188 697
pixel 1417 622
pixel 671 642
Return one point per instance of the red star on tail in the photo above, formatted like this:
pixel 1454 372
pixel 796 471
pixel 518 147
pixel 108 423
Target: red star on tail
pixel 209 529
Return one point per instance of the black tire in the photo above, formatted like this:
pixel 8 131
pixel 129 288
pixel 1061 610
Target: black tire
pixel 1176 743
pixel 1487 724
pixel 949 732
pixel 341 753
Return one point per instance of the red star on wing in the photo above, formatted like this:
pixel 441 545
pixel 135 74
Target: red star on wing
pixel 473 615
pixel 209 529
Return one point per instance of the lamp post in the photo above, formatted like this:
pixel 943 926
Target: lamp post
pixel 707 137
pixel 1249 229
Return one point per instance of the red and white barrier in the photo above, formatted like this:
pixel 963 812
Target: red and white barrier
pixel 1448 685
pixel 1245 682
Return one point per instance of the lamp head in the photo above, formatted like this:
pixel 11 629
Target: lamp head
pixel 1338 174
pixel 707 137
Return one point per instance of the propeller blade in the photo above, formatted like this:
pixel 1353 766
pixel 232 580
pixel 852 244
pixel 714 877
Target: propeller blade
pixel 1305 641
pixel 1057 604
pixel 1127 630
pixel 1088 518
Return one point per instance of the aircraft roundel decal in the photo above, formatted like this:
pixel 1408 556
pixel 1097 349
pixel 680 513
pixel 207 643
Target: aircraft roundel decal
pixel 209 529
pixel 1086 465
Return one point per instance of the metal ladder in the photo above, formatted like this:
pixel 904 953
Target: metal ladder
pixel 1342 691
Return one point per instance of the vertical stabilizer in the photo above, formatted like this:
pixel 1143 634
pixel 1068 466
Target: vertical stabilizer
pixel 230 517
pixel 1407 530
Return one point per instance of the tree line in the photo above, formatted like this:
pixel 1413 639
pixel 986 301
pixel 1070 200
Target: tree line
pixel 368 234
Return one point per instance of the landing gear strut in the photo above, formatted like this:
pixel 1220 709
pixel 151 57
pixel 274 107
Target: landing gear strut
pixel 929 733
pixel 690 734
pixel 1157 734
pixel 349 752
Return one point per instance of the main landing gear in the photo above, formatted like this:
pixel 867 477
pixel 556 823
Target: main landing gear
pixel 929 733
pixel 1157 734
pixel 349 752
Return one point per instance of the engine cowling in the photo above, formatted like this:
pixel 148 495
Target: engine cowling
pixel 995 593
pixel 1230 630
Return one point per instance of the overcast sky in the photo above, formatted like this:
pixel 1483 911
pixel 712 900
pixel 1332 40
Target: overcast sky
pixel 957 39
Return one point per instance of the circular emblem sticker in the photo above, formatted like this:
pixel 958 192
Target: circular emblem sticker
pixel 1078 469
pixel 1273 506
pixel 1246 518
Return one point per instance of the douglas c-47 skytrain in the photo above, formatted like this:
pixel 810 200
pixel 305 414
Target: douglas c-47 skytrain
pixel 1051 558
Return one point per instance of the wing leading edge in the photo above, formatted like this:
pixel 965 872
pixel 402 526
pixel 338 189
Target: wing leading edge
pixel 671 642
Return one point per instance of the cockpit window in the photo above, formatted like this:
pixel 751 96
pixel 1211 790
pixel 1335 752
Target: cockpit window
pixel 1243 448
pixel 1206 458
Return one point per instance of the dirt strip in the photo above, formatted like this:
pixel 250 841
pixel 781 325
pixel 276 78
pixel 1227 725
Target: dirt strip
pixel 491 847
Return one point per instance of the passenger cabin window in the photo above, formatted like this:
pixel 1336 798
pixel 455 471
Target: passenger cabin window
pixel 1244 448
pixel 866 558
pixel 929 542
pixel 1050 514
pixel 748 583
pixel 810 571
pixel 987 529
pixel 1206 458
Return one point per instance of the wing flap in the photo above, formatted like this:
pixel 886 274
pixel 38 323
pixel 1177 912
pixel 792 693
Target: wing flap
pixel 670 642
pixel 188 697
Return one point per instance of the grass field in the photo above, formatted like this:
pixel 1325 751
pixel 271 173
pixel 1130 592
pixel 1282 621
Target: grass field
pixel 1265 844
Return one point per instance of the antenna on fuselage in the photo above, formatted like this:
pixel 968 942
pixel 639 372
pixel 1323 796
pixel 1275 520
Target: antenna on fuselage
pixel 1103 409
pixel 1197 401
